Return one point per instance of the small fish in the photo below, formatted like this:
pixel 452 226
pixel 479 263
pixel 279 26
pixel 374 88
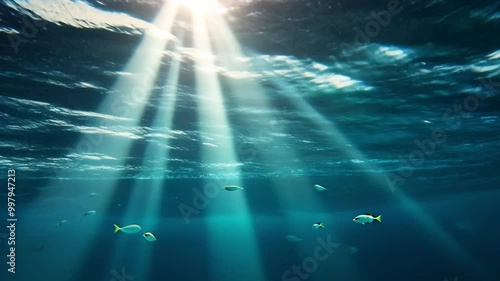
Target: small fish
pixel 92 194
pixel 354 250
pixel 62 222
pixel 367 218
pixel 293 239
pixel 90 213
pixel 233 188
pixel 318 225
pixel 149 236
pixel 319 187
pixel 133 228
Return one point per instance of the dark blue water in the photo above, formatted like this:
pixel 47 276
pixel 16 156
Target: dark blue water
pixel 141 112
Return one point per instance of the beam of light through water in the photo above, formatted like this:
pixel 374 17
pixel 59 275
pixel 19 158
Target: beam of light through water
pixel 229 44
pixel 444 239
pixel 131 92
pixel 248 93
pixel 146 194
pixel 335 138
pixel 109 136
pixel 226 243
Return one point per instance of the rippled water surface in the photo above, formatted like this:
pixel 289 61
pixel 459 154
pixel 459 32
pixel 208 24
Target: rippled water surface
pixel 143 111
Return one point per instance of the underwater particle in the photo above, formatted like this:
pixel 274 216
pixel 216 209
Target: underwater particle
pixel 318 225
pixel 62 222
pixel 233 188
pixel 319 187
pixel 367 218
pixel 465 226
pixel 92 194
pixel 354 250
pixel 3 235
pixel 293 239
pixel 38 248
pixel 149 236
pixel 133 228
pixel 90 213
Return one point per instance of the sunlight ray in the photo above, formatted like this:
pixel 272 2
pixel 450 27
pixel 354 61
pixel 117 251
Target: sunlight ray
pixel 214 123
pixel 126 100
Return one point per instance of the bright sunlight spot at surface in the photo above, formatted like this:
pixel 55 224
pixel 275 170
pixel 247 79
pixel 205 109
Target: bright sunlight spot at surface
pixel 202 7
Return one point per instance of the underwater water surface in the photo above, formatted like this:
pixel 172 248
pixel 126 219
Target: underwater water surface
pixel 247 139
